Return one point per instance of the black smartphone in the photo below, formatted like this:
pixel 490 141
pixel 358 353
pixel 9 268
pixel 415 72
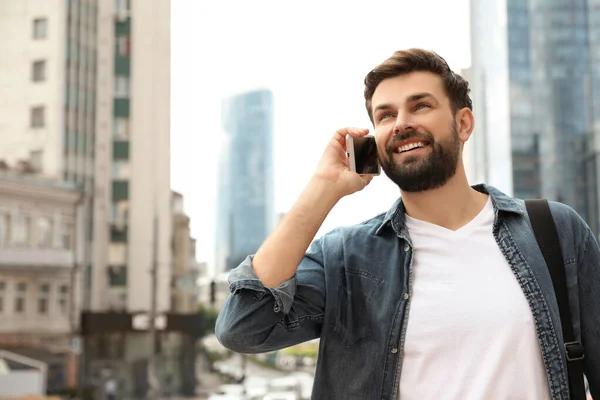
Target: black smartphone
pixel 362 154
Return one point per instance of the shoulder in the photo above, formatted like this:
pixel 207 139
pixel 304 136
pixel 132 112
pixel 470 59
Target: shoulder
pixel 365 228
pixel 358 237
pixel 562 214
pixel 567 220
pixel 569 224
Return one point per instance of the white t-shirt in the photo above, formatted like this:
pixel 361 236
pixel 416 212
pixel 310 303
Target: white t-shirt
pixel 470 333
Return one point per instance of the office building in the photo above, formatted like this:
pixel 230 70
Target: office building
pixel 536 91
pixel 245 211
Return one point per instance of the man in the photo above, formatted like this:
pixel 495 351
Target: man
pixel 446 296
pixel 110 389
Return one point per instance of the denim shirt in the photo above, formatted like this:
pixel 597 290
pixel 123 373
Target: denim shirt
pixel 353 289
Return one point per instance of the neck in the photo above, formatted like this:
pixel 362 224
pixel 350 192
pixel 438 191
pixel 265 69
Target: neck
pixel 451 206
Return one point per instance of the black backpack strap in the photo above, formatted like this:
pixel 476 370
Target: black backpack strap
pixel 546 234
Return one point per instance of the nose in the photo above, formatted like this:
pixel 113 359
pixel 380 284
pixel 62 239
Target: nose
pixel 404 123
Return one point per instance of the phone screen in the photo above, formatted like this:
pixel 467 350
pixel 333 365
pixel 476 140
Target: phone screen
pixel 365 155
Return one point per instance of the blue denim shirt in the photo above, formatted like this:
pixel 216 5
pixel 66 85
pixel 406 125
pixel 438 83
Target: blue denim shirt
pixel 353 288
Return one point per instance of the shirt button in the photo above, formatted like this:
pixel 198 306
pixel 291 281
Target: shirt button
pixel 394 350
pixel 407 248
pixel 405 296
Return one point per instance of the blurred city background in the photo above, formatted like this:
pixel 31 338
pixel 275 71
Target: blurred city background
pixel 148 146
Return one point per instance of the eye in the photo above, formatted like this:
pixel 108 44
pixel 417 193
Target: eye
pixel 385 116
pixel 422 105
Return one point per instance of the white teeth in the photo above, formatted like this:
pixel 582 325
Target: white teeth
pixel 410 147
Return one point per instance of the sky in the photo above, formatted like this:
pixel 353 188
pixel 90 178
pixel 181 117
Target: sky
pixel 313 56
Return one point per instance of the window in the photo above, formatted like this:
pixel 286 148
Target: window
pixel 43 296
pixel 21 298
pixel 117 276
pixel 121 150
pixel 120 190
pixel 120 212
pixel 44 232
pixel 122 46
pixel 121 128
pixel 121 87
pixel 36 158
pixel 2 292
pixel 38 117
pixel 21 231
pixel 116 173
pixel 115 211
pixel 38 72
pixel 40 28
pixel 4 229
pixel 63 299
pixel 67 234
pixel 122 5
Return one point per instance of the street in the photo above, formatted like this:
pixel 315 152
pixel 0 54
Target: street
pixel 260 381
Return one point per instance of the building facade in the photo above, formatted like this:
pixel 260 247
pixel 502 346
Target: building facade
pixel 184 288
pixel 48 80
pixel 41 232
pixel 86 95
pixel 86 99
pixel 536 86
pixel 132 180
pixel 246 212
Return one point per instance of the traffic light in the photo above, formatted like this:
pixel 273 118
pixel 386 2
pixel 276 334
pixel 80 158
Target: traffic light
pixel 213 293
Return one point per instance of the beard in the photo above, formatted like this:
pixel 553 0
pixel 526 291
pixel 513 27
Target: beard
pixel 421 173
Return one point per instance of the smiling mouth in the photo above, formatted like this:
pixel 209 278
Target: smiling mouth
pixel 409 147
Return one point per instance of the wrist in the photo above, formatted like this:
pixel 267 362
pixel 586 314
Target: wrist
pixel 322 192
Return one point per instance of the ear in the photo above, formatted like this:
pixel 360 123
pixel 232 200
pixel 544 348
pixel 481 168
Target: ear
pixel 465 122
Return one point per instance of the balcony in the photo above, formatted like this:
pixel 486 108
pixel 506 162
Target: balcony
pixel 121 150
pixel 123 24
pixel 122 66
pixel 121 108
pixel 118 234
pixel 35 257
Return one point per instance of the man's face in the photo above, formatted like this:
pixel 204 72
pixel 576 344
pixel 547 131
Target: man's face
pixel 416 132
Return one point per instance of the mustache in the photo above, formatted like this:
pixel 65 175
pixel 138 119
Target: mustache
pixel 425 137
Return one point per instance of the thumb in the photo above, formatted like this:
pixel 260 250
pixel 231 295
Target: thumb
pixel 367 179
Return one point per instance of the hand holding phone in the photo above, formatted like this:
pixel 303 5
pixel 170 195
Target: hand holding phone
pixel 362 155
pixel 333 168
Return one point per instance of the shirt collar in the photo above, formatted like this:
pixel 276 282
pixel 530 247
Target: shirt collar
pixel 501 202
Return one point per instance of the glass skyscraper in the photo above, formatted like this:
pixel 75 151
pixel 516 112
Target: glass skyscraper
pixel 536 93
pixel 245 195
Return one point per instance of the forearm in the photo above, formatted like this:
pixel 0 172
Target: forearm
pixel 278 258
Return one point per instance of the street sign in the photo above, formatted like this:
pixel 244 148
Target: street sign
pixel 76 345
pixel 141 322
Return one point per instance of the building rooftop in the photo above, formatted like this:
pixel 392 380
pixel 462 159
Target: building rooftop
pixel 37 180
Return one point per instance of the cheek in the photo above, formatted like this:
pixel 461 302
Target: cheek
pixel 382 137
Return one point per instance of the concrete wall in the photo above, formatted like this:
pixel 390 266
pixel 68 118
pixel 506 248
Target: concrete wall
pixel 21 383
pixel 149 190
pixel 20 93
pixel 35 264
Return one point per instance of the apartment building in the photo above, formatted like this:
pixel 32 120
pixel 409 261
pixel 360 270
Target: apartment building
pixel 86 99
pixel 41 228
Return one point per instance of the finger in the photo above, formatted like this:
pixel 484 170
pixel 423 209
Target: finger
pixel 354 132
pixel 367 179
pixel 357 132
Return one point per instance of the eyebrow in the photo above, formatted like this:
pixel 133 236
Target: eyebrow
pixel 419 96
pixel 410 99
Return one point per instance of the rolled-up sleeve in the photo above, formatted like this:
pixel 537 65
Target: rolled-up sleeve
pixel 258 319
pixel 244 277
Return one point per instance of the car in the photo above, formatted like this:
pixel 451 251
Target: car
pixel 287 395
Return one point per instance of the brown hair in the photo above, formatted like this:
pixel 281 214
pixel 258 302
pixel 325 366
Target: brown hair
pixel 411 60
